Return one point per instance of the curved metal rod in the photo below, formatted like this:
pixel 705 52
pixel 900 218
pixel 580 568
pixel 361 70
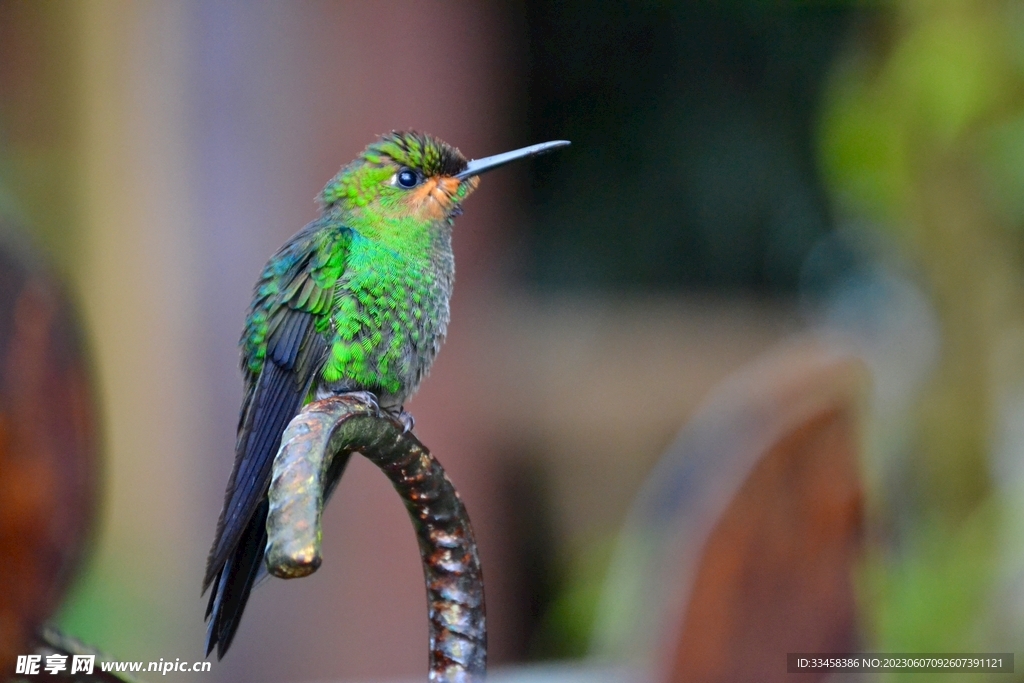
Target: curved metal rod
pixel 315 447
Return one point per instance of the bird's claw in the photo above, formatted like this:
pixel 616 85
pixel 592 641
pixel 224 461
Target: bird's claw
pixel 370 400
pixel 367 398
pixel 407 420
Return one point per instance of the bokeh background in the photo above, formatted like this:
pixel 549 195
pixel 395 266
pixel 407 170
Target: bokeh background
pixel 740 172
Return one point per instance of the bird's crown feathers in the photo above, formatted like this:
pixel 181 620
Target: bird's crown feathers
pixel 420 151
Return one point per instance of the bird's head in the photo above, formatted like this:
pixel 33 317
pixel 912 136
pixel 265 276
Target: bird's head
pixel 409 175
pixel 403 175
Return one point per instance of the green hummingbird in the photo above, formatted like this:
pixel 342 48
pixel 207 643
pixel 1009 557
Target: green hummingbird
pixel 357 301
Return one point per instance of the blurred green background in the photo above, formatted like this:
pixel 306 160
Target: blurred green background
pixel 739 172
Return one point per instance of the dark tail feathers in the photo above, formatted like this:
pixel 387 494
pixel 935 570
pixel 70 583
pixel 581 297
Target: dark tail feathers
pixel 234 583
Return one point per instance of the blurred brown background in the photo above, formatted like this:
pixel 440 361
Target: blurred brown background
pixel 739 171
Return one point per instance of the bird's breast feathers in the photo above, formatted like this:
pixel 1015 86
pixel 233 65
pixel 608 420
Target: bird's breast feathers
pixel 386 324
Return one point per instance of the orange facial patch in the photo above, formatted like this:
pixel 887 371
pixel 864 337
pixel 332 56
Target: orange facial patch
pixel 433 199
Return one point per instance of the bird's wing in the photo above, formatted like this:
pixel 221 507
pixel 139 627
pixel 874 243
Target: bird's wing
pixel 283 346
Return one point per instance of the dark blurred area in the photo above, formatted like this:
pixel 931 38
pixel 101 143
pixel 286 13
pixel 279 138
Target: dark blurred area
pixel 740 173
pixel 694 163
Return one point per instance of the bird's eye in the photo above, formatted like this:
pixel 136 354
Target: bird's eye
pixel 408 178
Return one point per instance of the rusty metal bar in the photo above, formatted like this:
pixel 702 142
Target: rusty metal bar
pixel 335 427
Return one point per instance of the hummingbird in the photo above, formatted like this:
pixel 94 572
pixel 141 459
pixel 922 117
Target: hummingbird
pixel 356 301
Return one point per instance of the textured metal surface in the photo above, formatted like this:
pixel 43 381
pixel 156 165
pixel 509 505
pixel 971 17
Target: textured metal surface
pixel 298 485
pixel 333 428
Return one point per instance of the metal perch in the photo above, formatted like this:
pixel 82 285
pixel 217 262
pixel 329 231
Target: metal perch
pixel 315 448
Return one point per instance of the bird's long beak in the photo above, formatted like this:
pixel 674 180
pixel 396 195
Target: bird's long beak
pixel 478 166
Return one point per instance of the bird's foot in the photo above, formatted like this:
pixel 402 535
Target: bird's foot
pixel 366 397
pixel 407 420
